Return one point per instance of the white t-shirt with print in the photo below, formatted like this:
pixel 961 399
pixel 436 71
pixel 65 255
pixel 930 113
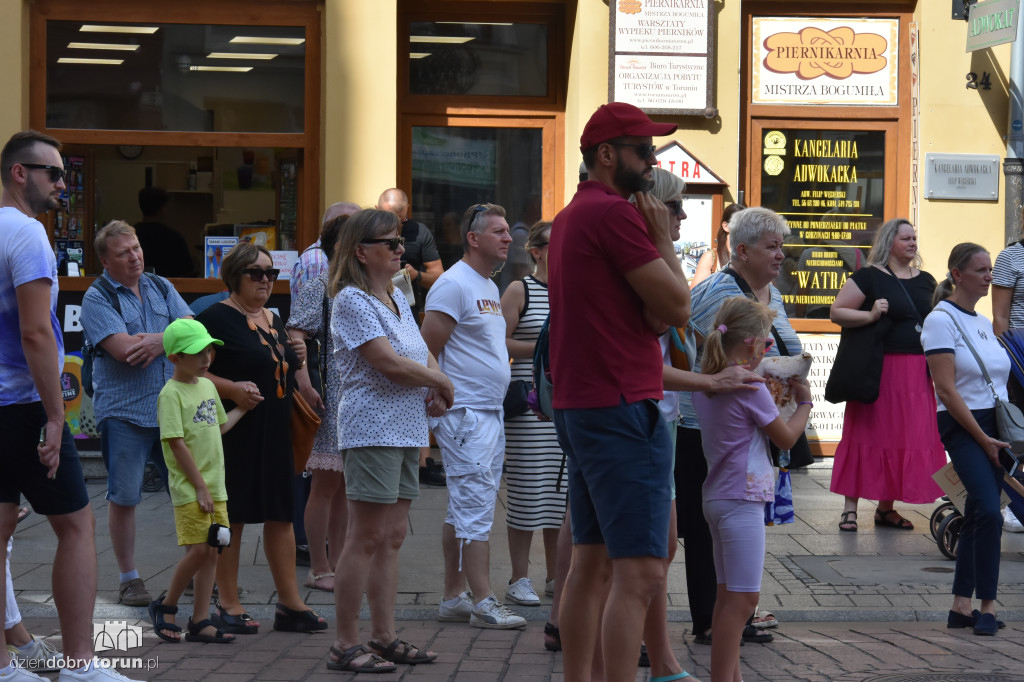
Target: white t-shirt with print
pixel 375 411
pixel 940 335
pixel 475 357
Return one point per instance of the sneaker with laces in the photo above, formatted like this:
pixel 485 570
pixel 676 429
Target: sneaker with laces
pixel 549 587
pixel 133 593
pixel 492 614
pixel 1010 522
pixel 93 673
pixel 522 592
pixel 459 613
pixel 42 656
pixel 22 675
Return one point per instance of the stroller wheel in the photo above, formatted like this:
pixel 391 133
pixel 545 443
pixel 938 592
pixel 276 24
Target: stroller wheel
pixel 940 513
pixel 949 534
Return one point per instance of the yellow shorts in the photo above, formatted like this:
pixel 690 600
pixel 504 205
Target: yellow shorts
pixel 193 524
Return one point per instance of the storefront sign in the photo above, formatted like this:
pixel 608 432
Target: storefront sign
pixel 661 55
pixel 829 185
pixel 831 62
pixel 966 177
pixel 992 23
pixel 448 157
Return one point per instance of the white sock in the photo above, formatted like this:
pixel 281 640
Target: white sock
pixel 130 575
pixel 25 648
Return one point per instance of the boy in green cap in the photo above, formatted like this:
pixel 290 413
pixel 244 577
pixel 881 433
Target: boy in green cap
pixel 192 420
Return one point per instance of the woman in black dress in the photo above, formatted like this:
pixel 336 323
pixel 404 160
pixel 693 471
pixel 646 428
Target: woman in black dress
pixel 256 368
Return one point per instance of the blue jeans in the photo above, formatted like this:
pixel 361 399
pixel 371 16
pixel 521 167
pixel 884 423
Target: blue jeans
pixel 125 448
pixel 978 550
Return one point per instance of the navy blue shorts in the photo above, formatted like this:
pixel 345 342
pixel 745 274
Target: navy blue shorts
pixel 21 472
pixel 619 468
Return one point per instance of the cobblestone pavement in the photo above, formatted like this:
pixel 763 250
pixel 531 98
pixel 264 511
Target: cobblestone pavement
pixel 810 652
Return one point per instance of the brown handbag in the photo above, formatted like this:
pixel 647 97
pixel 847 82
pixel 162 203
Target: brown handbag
pixel 304 425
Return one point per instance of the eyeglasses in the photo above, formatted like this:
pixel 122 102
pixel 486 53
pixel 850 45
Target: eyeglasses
pixel 56 172
pixel 675 206
pixel 642 150
pixel 392 242
pixel 257 274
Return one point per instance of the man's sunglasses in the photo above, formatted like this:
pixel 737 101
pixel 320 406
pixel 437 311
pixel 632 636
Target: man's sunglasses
pixel 56 172
pixel 257 274
pixel 393 242
pixel 642 150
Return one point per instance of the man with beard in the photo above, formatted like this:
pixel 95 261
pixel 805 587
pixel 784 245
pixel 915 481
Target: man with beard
pixel 40 460
pixel 613 270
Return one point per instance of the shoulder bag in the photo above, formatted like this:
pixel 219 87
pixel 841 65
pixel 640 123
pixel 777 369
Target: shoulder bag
pixel 1009 419
pixel 857 369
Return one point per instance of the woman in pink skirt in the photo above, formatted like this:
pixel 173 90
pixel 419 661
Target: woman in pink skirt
pixel 890 448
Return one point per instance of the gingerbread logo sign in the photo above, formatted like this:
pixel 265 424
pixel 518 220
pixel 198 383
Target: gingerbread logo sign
pixel 837 54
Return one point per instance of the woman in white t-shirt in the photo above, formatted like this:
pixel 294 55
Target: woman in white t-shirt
pixel 389 383
pixel 967 425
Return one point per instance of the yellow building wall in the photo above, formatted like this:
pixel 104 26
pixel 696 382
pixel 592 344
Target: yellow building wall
pixel 14 75
pixel 360 101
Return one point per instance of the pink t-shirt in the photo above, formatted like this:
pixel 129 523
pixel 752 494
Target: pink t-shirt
pixel 601 349
pixel 739 462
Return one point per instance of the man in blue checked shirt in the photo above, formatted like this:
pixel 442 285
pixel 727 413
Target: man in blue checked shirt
pixel 124 315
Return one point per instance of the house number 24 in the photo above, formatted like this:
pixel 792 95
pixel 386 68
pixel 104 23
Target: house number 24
pixel 973 82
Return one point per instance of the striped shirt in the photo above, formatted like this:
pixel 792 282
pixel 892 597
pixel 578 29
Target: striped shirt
pixel 308 267
pixel 1009 272
pixel 708 297
pixel 124 391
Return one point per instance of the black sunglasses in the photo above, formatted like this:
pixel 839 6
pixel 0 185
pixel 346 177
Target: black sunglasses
pixel 538 245
pixel 56 172
pixel 675 206
pixel 392 242
pixel 257 274
pixel 642 150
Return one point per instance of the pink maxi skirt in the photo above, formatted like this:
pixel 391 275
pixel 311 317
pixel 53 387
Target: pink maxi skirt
pixel 890 448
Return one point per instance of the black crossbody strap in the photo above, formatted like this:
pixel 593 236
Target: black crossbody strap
pixel 906 293
pixel 749 293
pixel 970 346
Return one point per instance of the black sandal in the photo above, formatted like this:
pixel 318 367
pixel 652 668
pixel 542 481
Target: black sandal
pixel 290 620
pixel 346 661
pixel 845 524
pixel 552 638
pixel 195 633
pixel 409 655
pixel 235 625
pixel 883 518
pixel 157 611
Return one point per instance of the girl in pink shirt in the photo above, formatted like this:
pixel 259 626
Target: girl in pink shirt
pixel 735 429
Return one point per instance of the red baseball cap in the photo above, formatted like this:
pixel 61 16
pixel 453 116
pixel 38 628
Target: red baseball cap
pixel 618 119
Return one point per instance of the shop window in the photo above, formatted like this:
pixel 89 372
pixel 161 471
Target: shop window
pixel 478 58
pixel 175 77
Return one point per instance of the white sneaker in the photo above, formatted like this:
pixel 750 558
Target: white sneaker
pixel 43 656
pixel 549 587
pixel 492 614
pixel 459 613
pixel 93 673
pixel 1010 522
pixel 21 675
pixel 522 592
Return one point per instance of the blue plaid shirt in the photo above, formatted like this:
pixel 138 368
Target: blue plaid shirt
pixel 123 391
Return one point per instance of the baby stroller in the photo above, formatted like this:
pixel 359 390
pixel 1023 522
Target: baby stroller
pixel 946 522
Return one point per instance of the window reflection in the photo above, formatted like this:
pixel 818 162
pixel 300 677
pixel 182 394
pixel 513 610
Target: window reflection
pixel 177 77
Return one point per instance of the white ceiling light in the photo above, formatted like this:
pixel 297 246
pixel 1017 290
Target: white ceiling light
pixel 241 55
pixel 101 28
pixel 232 69
pixel 476 23
pixel 257 40
pixel 103 46
pixel 452 40
pixel 86 60
pixel 418 55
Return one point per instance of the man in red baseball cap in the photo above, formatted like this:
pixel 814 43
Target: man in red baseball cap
pixel 612 268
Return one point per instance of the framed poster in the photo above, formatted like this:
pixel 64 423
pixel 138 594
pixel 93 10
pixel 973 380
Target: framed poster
pixel 661 56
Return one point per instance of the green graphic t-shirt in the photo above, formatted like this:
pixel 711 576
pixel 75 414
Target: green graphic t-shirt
pixel 193 412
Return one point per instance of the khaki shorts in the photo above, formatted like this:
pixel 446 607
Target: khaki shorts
pixel 193 524
pixel 382 474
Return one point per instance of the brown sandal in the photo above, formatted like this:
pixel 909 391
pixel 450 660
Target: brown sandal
pixel 884 518
pixel 847 525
